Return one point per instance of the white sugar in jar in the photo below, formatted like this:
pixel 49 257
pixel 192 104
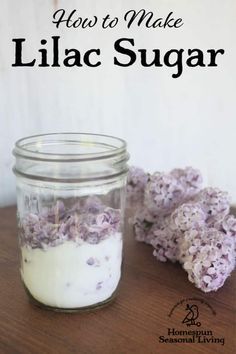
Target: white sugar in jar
pixel 70 208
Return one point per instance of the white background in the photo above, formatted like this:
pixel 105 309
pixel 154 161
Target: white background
pixel 167 122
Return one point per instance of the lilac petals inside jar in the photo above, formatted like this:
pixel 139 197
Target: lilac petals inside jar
pixel 70 209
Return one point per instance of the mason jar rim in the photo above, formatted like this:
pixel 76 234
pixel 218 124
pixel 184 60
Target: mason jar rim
pixel 24 147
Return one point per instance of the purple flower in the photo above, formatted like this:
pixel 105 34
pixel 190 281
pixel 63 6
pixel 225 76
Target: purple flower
pixel 91 223
pixel 215 203
pixel 136 183
pixel 165 243
pixel 163 194
pixel 190 179
pixel 142 223
pixel 192 227
pixel 188 216
pixel 229 225
pixel 109 217
pixel 209 258
pixel 55 213
pixel 94 228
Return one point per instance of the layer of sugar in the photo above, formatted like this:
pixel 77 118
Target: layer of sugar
pixel 61 276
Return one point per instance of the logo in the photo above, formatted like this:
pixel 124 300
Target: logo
pixel 187 323
pixel 192 315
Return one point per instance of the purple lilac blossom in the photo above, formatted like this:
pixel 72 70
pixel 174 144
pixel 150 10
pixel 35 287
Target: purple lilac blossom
pixel 165 243
pixel 190 179
pixel 187 225
pixel 92 223
pixel 188 216
pixel 168 236
pixel 209 258
pixel 136 183
pixel 163 194
pixel 156 231
pixel 229 225
pixel 229 228
pixel 142 223
pixel 55 213
pixel 95 228
pixel 215 203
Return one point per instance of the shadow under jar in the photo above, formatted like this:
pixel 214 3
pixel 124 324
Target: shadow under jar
pixel 70 209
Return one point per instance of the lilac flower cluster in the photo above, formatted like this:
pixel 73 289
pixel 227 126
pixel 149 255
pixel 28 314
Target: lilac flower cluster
pixel 188 216
pixel 165 243
pixel 215 203
pixel 190 179
pixel 208 257
pixel 165 191
pixel 136 183
pixel 90 222
pixel 189 225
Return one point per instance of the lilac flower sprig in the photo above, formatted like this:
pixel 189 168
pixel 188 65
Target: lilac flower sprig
pixel 209 258
pixel 189 225
pixel 166 191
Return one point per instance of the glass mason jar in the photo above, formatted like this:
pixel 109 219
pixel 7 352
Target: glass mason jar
pixel 70 209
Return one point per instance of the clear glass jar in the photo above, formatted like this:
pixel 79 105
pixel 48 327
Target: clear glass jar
pixel 70 209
